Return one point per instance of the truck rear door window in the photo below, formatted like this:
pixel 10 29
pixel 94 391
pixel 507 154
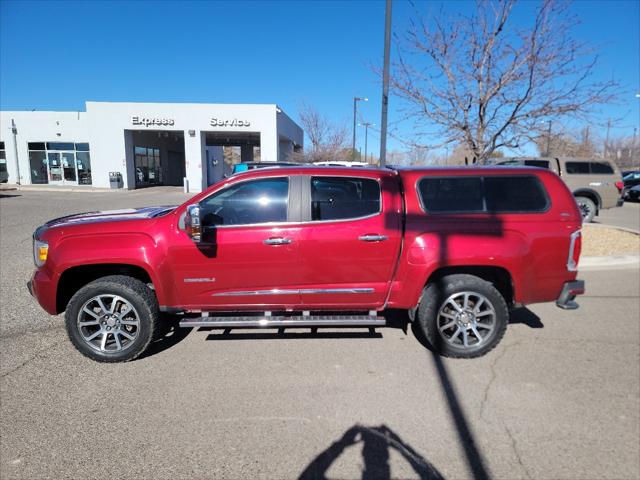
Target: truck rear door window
pixel 337 198
pixel 489 194
pixel 577 168
pixel 601 167
pixel 514 194
pixel 537 163
pixel 460 194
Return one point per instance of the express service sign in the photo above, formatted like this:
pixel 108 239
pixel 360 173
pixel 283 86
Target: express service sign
pixel 150 121
pixel 216 122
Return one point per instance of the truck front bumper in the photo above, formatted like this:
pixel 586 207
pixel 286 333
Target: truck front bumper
pixel 43 289
pixel 566 300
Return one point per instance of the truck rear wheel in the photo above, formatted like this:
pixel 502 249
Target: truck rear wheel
pixel 112 319
pixel 462 316
pixel 587 209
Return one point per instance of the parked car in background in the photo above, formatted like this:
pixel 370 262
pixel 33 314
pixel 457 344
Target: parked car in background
pixel 245 166
pixel 340 163
pixel 633 194
pixel 317 247
pixel 4 174
pixel 595 184
pixel 630 179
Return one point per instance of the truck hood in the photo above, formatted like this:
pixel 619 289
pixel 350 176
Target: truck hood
pixel 107 216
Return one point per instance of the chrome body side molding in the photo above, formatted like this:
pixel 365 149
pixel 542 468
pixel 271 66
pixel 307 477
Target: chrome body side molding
pixel 302 291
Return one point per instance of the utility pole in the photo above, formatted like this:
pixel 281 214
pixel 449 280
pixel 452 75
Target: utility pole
pixel 606 142
pixel 633 147
pixel 548 139
pixel 366 126
pixel 385 85
pixel 14 130
pixel 355 113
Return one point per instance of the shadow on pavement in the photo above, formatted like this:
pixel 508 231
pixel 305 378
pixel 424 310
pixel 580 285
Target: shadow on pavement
pixel 474 458
pixel 228 334
pixel 377 443
pixel 5 195
pixel 526 316
pixel 172 335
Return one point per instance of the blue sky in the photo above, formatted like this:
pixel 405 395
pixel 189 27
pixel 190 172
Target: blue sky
pixel 56 55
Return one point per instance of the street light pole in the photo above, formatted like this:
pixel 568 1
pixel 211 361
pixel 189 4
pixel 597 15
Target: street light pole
pixel 355 113
pixel 366 126
pixel 385 85
pixel 14 131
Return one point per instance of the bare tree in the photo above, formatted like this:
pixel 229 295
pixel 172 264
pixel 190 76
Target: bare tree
pixel 328 140
pixel 568 144
pixel 625 151
pixel 486 83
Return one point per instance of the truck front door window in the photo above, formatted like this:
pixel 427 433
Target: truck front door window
pixel 247 203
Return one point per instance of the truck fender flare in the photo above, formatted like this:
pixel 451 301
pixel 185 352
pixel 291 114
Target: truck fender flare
pixel 587 192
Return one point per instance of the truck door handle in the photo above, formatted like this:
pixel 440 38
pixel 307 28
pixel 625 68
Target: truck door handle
pixel 277 241
pixel 370 237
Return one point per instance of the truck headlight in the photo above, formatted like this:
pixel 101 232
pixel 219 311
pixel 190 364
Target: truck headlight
pixel 40 252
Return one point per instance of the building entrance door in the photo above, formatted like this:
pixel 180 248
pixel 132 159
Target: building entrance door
pixel 62 168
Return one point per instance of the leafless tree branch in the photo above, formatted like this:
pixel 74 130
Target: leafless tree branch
pixel 486 83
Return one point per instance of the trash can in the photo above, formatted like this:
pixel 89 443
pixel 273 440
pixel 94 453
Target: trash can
pixel 115 180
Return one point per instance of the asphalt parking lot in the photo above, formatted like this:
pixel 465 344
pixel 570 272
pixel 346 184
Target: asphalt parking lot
pixel 559 398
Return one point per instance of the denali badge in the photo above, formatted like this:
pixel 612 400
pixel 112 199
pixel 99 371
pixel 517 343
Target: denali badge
pixel 199 280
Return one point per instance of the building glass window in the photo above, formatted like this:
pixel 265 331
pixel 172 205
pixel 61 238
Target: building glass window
pixel 83 163
pixel 60 146
pixel 148 166
pixel 64 162
pixel 38 167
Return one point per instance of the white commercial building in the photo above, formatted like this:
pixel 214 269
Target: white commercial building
pixel 145 144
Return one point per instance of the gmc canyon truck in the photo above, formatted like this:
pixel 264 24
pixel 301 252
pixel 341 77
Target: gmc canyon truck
pixel 317 247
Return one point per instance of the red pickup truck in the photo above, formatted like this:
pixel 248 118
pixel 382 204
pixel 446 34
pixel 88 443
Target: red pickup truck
pixel 317 247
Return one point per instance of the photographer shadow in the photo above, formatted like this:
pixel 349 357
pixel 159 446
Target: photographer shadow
pixel 377 443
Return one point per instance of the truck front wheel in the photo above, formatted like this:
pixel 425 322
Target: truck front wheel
pixel 112 319
pixel 462 316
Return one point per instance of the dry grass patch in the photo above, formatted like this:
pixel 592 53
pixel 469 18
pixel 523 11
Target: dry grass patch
pixel 604 241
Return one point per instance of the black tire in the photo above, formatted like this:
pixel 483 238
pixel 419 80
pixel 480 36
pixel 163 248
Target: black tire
pixel 145 313
pixel 587 208
pixel 430 316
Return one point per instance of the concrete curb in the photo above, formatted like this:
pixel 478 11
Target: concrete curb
pixel 611 261
pixel 52 188
pixel 615 227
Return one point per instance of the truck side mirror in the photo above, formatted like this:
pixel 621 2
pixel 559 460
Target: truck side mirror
pixel 192 223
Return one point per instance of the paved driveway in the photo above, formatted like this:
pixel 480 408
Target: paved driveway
pixel 559 397
pixel 628 216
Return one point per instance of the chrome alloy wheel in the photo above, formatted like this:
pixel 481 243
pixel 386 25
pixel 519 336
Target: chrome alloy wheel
pixel 466 319
pixel 585 210
pixel 108 323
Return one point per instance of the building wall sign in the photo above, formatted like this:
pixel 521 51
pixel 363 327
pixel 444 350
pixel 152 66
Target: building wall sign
pixel 216 122
pixel 148 121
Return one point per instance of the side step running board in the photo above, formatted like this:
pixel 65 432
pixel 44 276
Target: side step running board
pixel 283 322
